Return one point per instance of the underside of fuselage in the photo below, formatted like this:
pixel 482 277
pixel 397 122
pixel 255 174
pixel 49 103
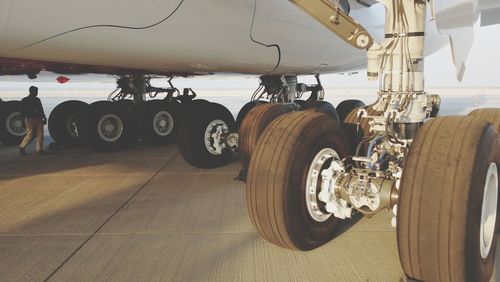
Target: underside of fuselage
pixel 182 37
pixel 186 37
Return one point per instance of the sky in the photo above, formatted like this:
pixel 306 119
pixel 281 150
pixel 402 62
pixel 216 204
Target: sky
pixel 483 70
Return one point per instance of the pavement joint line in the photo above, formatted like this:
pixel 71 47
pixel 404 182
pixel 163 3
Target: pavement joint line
pixel 213 233
pixel 73 175
pixel 110 217
pixel 105 234
pixel 132 173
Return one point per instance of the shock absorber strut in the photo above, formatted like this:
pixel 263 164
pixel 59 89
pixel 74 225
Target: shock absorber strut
pixel 398 62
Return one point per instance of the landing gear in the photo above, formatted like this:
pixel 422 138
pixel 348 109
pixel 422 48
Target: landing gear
pixel 284 94
pixel 127 116
pixel 63 122
pixel 12 127
pixel 437 176
pixel 206 137
pixel 105 126
pixel 283 202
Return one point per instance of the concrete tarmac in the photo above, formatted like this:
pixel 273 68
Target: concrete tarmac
pixel 143 214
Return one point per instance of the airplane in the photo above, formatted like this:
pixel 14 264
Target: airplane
pixel 308 165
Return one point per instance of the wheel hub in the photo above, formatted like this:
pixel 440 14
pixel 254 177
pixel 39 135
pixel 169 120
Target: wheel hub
pixel 318 184
pixel 163 123
pixel 71 127
pixel 215 137
pixel 489 211
pixel 110 128
pixel 15 125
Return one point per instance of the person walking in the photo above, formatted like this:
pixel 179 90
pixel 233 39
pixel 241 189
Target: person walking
pixel 32 111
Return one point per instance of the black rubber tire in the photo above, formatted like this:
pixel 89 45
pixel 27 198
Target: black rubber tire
pixel 147 115
pixel 62 119
pixel 301 103
pixel 491 114
pixel 6 110
pixel 440 202
pixel 347 106
pixel 244 111
pixel 254 125
pixel 357 129
pixel 324 107
pixel 277 178
pixel 89 120
pixel 191 134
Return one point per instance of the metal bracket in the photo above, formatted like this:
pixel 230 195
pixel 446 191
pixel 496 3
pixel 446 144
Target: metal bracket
pixel 332 17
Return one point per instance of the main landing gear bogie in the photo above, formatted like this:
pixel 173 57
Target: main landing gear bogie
pixel 126 117
pixel 438 176
pixel 108 126
pixel 284 95
pixel 261 116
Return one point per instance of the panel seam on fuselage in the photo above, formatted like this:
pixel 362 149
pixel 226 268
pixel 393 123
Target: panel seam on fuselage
pixel 261 43
pixel 6 27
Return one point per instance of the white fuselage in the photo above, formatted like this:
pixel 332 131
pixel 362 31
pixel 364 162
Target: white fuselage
pixel 184 36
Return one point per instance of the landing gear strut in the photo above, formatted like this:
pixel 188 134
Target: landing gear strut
pixel 439 177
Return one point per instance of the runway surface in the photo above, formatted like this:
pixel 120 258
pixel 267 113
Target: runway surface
pixel 143 214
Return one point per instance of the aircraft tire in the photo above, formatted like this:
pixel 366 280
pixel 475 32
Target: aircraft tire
pixel 326 108
pixel 448 202
pixel 199 122
pixel 245 109
pixel 492 115
pixel 276 198
pixel 105 126
pixel 254 124
pixel 159 121
pixel 12 127
pixel 347 106
pixel 63 120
